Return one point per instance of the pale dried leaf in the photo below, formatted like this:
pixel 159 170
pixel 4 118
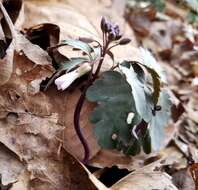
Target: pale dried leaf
pixel 145 181
pixel 6 64
pixel 22 181
pixel 10 166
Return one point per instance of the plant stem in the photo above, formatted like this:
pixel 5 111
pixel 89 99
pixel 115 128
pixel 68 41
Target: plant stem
pixel 113 46
pixel 77 112
pixel 101 61
pixel 80 103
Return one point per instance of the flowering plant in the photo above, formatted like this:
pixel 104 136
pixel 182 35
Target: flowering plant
pixel 132 107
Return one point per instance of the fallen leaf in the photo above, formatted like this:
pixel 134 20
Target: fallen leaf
pixel 22 182
pixel 45 35
pixel 145 180
pixel 10 166
pixel 183 180
pixel 6 61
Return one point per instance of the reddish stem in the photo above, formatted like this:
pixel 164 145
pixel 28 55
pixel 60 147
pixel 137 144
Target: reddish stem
pixel 79 106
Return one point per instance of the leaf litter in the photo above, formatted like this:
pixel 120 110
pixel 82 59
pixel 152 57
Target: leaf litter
pixel 34 126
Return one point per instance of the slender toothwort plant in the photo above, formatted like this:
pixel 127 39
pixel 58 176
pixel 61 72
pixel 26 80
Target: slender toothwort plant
pixel 132 106
pixel 111 33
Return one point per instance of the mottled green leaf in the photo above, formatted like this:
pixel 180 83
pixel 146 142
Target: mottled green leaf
pixel 159 121
pixel 146 143
pixel 79 45
pixel 158 4
pixel 115 101
pixel 193 4
pixel 156 84
pixel 140 72
pixel 192 17
pixel 138 92
pixel 134 149
pixel 150 62
pixel 73 62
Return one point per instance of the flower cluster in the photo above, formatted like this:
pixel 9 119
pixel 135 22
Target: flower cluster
pixel 112 30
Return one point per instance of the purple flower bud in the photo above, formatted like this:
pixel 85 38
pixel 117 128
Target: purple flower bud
pixel 117 29
pixel 118 37
pixel 103 24
pixel 124 41
pixel 112 36
pixel 108 27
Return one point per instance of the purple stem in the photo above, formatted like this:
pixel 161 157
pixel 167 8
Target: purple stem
pixel 77 125
pixel 79 106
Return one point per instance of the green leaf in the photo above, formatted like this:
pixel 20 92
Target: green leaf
pixel 159 121
pixel 79 45
pixel 141 76
pixel 156 84
pixel 150 62
pixel 193 4
pixel 115 101
pixel 134 149
pixel 97 52
pixel 158 4
pixel 138 92
pixel 146 143
pixel 73 62
pixel 192 17
pixel 140 72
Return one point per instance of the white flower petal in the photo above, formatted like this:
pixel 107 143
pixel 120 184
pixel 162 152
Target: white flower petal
pixel 61 79
pixel 67 79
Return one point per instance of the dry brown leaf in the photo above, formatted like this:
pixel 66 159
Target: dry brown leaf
pixel 183 180
pixel 146 178
pixel 15 11
pixel 174 11
pixel 31 51
pixel 173 157
pixel 145 181
pixel 64 104
pixel 67 170
pixel 22 181
pixel 72 24
pixel 6 61
pixel 10 166
pixel 6 64
pixel 110 158
pixel 33 67
pixel 45 35
pixel 140 20
pixel 71 141
pixel 18 127
pixel 79 176
pixel 21 44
